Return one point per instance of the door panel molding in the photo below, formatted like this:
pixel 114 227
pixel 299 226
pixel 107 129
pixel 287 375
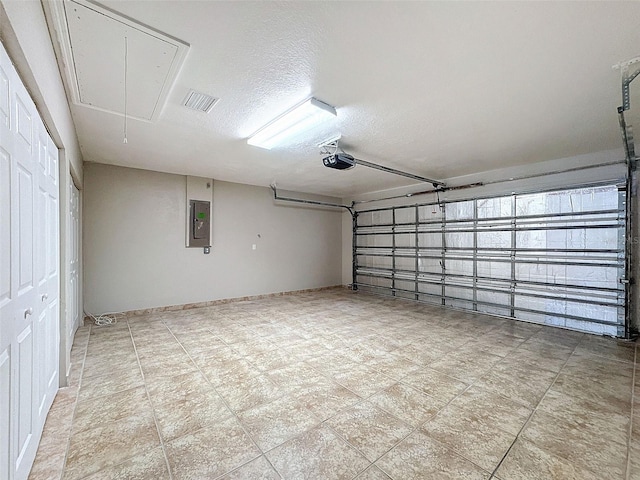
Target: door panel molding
pixel 29 276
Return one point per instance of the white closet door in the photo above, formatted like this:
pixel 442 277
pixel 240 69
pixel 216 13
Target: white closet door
pixel 47 263
pixel 29 288
pixel 7 266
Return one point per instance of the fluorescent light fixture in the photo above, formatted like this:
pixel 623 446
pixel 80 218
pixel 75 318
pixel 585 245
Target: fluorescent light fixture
pixel 307 115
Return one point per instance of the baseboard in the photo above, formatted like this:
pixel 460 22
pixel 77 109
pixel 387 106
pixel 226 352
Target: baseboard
pixel 211 303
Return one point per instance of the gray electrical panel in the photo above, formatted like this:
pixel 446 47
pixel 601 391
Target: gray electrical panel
pixel 199 224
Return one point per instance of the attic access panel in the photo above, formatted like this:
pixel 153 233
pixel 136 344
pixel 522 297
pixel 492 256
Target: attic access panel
pixel 94 51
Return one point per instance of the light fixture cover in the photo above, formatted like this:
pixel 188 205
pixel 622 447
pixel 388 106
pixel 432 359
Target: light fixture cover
pixel 309 114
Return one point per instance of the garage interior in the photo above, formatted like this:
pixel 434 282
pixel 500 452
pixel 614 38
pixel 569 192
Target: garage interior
pixel 319 240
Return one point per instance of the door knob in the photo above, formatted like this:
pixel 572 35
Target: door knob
pixel 45 296
pixel 28 312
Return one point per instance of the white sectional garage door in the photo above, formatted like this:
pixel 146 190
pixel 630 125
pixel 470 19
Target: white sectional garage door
pixel 556 257
pixel 29 274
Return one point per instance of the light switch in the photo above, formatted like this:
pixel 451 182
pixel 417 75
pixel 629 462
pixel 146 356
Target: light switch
pixel 254 246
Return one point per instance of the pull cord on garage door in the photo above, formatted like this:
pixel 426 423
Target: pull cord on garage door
pixel 556 258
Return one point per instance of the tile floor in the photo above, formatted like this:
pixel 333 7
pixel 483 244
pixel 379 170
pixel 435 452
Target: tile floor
pixel 338 385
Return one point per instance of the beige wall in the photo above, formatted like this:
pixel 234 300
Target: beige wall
pixel 134 243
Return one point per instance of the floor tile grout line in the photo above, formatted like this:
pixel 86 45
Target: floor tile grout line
pixel 474 382
pixel 535 409
pixel 447 446
pixel 235 469
pixel 362 399
pixel 233 412
pixel 324 374
pixel 130 388
pixel 75 405
pixel 417 390
pixel 415 429
pixel 153 412
pixel 320 422
pixel 352 446
pixel 630 432
pixel 502 359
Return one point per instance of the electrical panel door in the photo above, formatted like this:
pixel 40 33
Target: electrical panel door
pixel 199 223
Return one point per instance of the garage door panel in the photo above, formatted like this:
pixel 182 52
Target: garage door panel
pixel 555 258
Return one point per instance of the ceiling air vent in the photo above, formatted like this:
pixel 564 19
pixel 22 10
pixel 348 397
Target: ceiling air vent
pixel 200 101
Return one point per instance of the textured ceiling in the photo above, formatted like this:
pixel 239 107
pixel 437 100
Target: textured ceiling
pixel 439 89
